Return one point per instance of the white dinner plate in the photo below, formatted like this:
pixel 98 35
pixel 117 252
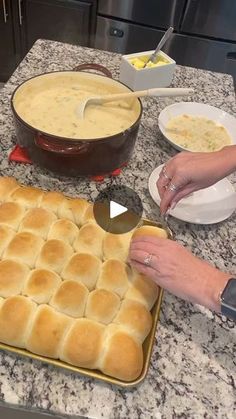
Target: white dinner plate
pixel 207 206
pixel 196 109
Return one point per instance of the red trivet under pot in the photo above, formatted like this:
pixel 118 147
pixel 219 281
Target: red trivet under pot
pixel 20 155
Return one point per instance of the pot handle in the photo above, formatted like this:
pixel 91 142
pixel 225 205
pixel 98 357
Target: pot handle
pixel 48 145
pixel 93 66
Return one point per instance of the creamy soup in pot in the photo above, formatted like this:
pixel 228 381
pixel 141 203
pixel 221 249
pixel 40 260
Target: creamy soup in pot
pixel 197 133
pixel 50 105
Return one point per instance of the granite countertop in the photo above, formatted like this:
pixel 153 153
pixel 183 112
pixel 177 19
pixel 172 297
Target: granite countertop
pixel 193 366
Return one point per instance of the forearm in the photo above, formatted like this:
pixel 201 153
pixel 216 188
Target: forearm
pixel 228 159
pixel 203 285
pixel 178 271
pixel 213 287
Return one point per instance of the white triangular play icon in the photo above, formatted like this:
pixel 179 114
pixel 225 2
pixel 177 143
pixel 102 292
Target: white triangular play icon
pixel 116 209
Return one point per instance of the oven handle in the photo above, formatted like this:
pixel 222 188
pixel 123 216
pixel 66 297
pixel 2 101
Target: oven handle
pixel 20 12
pixel 5 14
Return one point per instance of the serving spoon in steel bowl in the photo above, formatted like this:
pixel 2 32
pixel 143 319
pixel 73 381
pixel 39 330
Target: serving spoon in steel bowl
pixel 160 92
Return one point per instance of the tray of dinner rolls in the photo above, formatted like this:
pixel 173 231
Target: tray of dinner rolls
pixel 68 295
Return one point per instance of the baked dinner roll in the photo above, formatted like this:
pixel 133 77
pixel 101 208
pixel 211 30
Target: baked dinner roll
pixel 12 277
pixel 54 255
pixel 65 229
pixel 70 298
pixel 7 186
pixel 11 214
pixel 114 277
pixel 6 234
pixel 73 209
pixel 47 331
pixel 15 316
pixel 38 221
pixel 52 201
pixel 102 306
pixel 24 247
pixel 150 231
pixel 143 290
pixel 83 267
pixel 89 215
pixel 76 207
pixel 89 239
pixel 66 289
pixel 27 196
pixel 123 355
pixel 135 317
pixel 82 345
pixel 40 285
pixel 116 246
pixel 102 208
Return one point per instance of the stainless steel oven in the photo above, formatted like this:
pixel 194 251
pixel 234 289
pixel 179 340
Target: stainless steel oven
pixel 204 30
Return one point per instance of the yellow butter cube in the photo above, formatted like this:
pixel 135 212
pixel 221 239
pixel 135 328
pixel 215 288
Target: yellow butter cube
pixel 137 63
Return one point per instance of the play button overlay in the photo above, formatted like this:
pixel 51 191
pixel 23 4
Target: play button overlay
pixel 118 209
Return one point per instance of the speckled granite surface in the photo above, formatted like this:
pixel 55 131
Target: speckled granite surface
pixel 193 367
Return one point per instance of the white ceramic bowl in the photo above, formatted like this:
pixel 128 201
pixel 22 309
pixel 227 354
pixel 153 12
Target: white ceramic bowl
pixel 197 109
pixel 146 78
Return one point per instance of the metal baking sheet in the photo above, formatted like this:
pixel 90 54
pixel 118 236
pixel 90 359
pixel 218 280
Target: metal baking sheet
pixel 147 345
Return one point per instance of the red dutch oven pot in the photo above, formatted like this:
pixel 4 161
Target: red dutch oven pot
pixel 77 157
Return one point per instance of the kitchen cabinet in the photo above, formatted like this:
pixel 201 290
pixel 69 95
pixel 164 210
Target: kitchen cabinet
pixel 61 20
pixel 7 41
pixel 22 22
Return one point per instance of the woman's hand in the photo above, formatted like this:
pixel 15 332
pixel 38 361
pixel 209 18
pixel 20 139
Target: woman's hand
pixel 188 172
pixel 175 269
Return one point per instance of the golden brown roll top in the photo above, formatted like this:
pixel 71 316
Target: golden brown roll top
pixel 63 228
pixel 27 196
pixel 24 247
pixel 102 306
pixel 70 298
pixel 88 215
pixel 53 255
pixel 122 355
pixel 116 246
pixel 143 290
pixel 82 211
pixel 52 201
pixel 7 186
pixel 16 313
pixel 12 277
pixel 47 332
pixel 83 267
pixel 89 240
pixel 6 235
pixel 83 344
pixel 150 231
pixel 73 209
pixel 11 214
pixel 114 277
pixel 37 221
pixel 135 318
pixel 40 285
